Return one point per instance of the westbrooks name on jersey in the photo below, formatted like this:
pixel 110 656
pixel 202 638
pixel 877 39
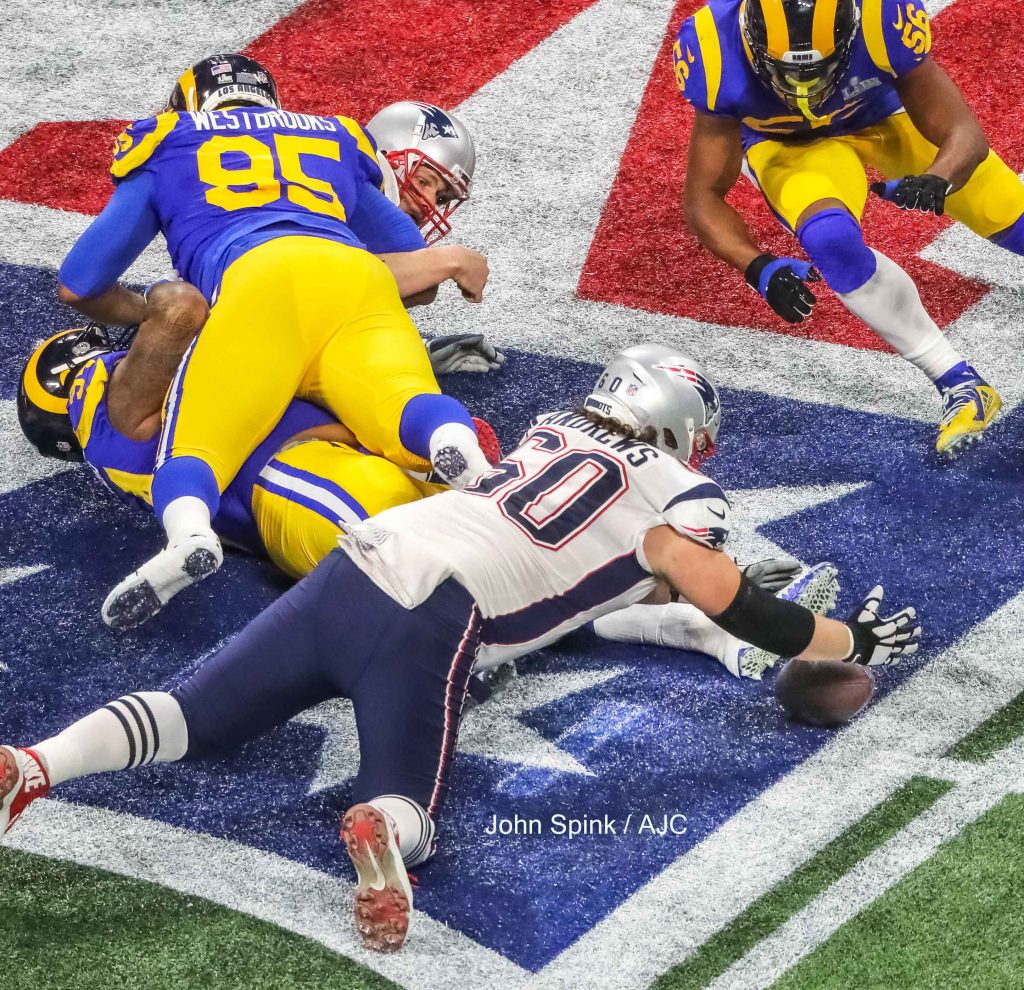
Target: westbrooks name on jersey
pixel 548 540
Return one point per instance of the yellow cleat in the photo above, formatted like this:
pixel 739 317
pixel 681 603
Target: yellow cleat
pixel 968 409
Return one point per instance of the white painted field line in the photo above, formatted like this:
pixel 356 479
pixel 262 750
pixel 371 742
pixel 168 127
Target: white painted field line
pixel 285 893
pixel 674 914
pixel 877 873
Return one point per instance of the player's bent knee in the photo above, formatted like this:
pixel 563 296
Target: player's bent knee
pixel 1012 238
pixel 834 241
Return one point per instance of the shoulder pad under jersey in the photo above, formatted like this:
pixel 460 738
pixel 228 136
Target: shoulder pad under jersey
pixel 697 60
pixel 369 166
pixel 700 512
pixel 897 33
pixel 135 145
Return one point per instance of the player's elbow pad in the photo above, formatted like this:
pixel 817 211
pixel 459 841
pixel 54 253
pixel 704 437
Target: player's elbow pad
pixel 770 623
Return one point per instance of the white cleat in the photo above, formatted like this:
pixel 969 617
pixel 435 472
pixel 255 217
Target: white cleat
pixel 817 589
pixel 142 594
pixel 383 904
pixel 22 779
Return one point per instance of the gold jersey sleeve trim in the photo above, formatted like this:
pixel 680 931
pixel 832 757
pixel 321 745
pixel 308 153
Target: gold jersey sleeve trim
pixel 874 35
pixel 94 392
pixel 138 155
pixel 363 142
pixel 711 53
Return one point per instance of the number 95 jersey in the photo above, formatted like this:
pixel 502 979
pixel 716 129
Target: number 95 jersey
pixel 224 181
pixel 548 540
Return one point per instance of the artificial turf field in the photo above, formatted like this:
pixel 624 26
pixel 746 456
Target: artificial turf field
pixel 886 854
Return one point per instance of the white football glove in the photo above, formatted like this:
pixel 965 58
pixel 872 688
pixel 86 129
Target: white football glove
pixel 772 575
pixel 878 642
pixel 463 352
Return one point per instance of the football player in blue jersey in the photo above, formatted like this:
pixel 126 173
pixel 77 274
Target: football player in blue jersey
pixel 801 95
pixel 253 202
pixel 595 510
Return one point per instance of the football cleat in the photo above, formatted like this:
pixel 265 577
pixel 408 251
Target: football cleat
pixel 23 778
pixel 816 588
pixel 488 440
pixel 143 593
pixel 383 902
pixel 968 409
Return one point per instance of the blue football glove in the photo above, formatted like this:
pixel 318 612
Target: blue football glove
pixel 926 193
pixel 781 283
pixel 463 352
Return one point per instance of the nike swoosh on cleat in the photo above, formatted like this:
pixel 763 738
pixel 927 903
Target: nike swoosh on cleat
pixel 380 883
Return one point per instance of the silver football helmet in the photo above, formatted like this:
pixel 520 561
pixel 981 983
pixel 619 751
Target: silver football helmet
pixel 411 134
pixel 654 385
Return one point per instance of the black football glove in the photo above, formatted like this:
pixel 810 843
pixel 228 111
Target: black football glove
pixel 774 574
pixel 463 352
pixel 781 283
pixel 926 193
pixel 876 641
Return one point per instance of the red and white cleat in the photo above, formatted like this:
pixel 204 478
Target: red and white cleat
pixel 488 440
pixel 384 896
pixel 22 780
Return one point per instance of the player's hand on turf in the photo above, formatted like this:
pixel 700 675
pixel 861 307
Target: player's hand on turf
pixel 471 273
pixel 772 575
pixel 926 193
pixel 463 352
pixel 781 283
pixel 878 641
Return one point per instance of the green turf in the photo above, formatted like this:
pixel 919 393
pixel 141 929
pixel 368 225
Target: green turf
pixel 954 922
pixel 802 886
pixel 992 735
pixel 67 927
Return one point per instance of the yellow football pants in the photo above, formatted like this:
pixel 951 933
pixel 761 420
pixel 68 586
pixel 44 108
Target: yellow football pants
pixel 298 316
pixel 794 175
pixel 313 491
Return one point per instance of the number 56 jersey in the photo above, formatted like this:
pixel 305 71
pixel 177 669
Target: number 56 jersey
pixel 548 540
pixel 223 181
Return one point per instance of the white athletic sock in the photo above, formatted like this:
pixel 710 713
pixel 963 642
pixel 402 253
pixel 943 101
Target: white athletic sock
pixel 890 304
pixel 678 625
pixel 455 453
pixel 415 830
pixel 140 728
pixel 185 516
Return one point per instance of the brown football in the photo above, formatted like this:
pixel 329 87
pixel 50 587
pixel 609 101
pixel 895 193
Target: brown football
pixel 824 692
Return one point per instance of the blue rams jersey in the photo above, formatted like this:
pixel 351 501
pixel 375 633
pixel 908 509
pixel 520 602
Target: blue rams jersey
pixel 228 180
pixel 714 73
pixel 126 466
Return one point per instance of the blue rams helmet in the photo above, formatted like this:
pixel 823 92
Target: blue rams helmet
pixel 46 384
pixel 659 387
pixel 224 79
pixel 800 49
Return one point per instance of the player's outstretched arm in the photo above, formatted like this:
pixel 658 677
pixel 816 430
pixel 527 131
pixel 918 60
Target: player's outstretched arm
pixel 939 111
pixel 712 168
pixel 420 272
pixel 711 580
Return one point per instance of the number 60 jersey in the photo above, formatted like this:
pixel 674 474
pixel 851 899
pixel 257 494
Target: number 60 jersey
pixel 549 539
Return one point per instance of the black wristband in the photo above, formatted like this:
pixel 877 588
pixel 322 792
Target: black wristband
pixel 754 269
pixel 771 623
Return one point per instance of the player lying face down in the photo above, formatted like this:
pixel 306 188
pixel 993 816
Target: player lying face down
pixel 802 96
pixel 593 512
pixel 81 397
pixel 254 203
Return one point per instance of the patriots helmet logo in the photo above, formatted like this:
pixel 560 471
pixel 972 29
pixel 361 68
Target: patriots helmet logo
pixel 707 391
pixel 435 123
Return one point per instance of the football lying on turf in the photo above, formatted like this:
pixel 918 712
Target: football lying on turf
pixel 824 692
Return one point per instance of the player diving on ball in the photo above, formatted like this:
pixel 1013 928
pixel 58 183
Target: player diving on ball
pixel 83 398
pixel 253 202
pixel 596 510
pixel 802 95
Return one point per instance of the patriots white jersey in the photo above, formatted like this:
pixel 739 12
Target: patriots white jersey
pixel 548 540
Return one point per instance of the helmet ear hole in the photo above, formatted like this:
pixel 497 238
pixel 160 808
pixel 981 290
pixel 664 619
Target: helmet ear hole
pixel 670 439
